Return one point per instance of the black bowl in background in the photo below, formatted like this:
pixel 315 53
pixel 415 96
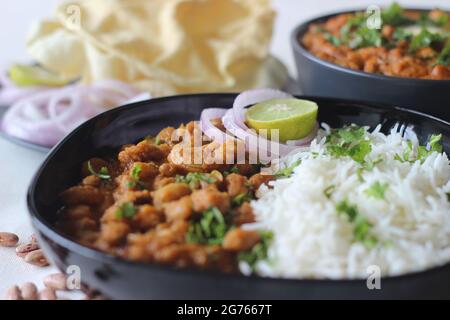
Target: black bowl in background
pixel 321 78
pixel 118 278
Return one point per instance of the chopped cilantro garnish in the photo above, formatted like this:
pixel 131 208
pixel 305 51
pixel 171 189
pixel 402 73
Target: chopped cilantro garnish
pixel 366 37
pixel 433 145
pixel 234 169
pixel 258 252
pixel 425 39
pixel 210 229
pixel 335 41
pixel 358 20
pixel 241 198
pixel 394 15
pixel 400 35
pixel 362 227
pixel 377 190
pixel 370 164
pixel 329 191
pixel 134 177
pixel 193 179
pixel 349 141
pixel 287 172
pixel 444 56
pixel 102 173
pixel 406 153
pixel 157 140
pixel 126 210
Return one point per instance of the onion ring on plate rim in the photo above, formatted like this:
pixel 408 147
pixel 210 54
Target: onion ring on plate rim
pixel 208 128
pixel 46 117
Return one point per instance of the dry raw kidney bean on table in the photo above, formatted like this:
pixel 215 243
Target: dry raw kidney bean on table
pixel 8 239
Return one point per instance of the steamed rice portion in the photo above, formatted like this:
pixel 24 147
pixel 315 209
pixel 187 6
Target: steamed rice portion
pixel 403 212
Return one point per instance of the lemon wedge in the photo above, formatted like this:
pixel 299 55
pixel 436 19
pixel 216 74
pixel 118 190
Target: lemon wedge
pixel 293 118
pixel 28 75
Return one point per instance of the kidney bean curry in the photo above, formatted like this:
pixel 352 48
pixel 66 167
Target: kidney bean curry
pixel 403 43
pixel 148 204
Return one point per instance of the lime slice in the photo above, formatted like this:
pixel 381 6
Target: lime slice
pixel 26 75
pixel 294 118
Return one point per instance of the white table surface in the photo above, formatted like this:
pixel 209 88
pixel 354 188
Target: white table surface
pixel 17 164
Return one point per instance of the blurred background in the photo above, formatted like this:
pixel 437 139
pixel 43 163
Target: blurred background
pixel 16 17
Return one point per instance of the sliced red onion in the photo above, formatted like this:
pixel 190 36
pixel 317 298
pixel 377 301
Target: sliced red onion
pixel 234 121
pixel 250 97
pixel 10 93
pixel 255 142
pixel 208 128
pixel 46 117
pixel 29 120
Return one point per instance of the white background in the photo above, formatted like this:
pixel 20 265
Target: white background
pixel 17 164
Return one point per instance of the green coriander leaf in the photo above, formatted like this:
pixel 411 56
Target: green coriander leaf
pixel 444 56
pixel 126 210
pixel 193 179
pixel 360 172
pixel 287 172
pixel 394 15
pixel 377 190
pixel 329 191
pixel 137 169
pixel 369 165
pixel 241 198
pixel 102 174
pixel 349 141
pixel 435 143
pixel 366 37
pixel 209 229
pixel 425 39
pixel 157 140
pixel 335 41
pixel 358 152
pixel 134 177
pixel 350 211
pixel 357 21
pixel 258 252
pixel 362 228
pixel 401 35
pixel 234 169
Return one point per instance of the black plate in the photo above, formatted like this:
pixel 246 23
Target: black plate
pixel 322 78
pixel 117 278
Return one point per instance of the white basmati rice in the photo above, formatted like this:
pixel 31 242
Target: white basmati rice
pixel 311 240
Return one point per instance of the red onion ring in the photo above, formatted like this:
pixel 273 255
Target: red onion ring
pixel 10 93
pixel 234 121
pixel 253 140
pixel 251 97
pixel 208 128
pixel 46 117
